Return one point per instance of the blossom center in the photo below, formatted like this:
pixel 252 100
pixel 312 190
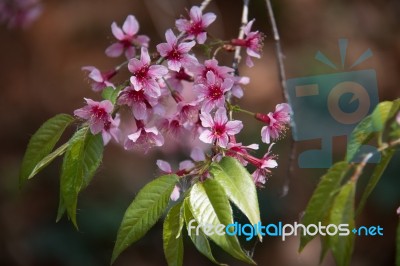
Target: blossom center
pixel 175 54
pixel 214 92
pixel 142 73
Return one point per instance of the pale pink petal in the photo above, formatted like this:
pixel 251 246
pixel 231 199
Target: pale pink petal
pixel 130 52
pixel 115 50
pixel 270 163
pixel 206 120
pixel 208 18
pixel 164 166
pixel 174 65
pixel 186 165
pixel 83 112
pixel 265 135
pixel 234 127
pixel 107 105
pixel 206 136
pixel 220 117
pixel 131 26
pixel 252 53
pixel 157 71
pixel 144 56
pixel 197 154
pixel 142 40
pixel 249 62
pixel 96 126
pixel 185 47
pixel 202 37
pixel 152 89
pixel 247 28
pixel 181 24
pixel 223 140
pixel 175 194
pixel 170 37
pixel 134 65
pixel 227 84
pixel 139 111
pixel 283 107
pixel 134 136
pixel 163 49
pixel 195 13
pixel 106 137
pixel 117 32
pixel 210 77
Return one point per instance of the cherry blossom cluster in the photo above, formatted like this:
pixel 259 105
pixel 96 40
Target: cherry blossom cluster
pixel 19 13
pixel 175 92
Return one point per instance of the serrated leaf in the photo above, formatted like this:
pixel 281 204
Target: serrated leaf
pixel 173 245
pixel 364 131
pixel 322 198
pixel 375 177
pixel 42 143
pixel 111 94
pixel 380 115
pixel 144 212
pixel 81 160
pixel 199 240
pixel 48 159
pixel 239 186
pixel 210 205
pixel 342 212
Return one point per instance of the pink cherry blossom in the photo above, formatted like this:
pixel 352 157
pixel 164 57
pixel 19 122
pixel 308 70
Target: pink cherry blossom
pixel 98 114
pixel 220 128
pixel 276 122
pixel 144 75
pixel 141 103
pixel 127 38
pixel 200 70
pixel 253 43
pixel 196 26
pixel 111 130
pixel 176 53
pixel 240 151
pixel 144 139
pixel 100 80
pixel 263 165
pixel 237 89
pixel 212 92
pixel 188 113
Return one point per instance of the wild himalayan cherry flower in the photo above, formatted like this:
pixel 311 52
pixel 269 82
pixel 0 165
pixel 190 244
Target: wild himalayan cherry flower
pixel 144 76
pixel 253 42
pixel 239 151
pixel 200 70
pixel 140 103
pixel 220 128
pixel 175 79
pixel 196 26
pixel 212 92
pixel 144 138
pixel 276 122
pixel 188 113
pixel 176 53
pixel 100 80
pixel 98 114
pixel 184 167
pixel 127 38
pixel 267 161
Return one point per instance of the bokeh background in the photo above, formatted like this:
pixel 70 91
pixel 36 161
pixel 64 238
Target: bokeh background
pixel 40 76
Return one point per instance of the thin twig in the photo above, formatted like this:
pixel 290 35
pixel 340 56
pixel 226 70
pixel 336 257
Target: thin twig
pixel 282 77
pixel 204 4
pixel 245 19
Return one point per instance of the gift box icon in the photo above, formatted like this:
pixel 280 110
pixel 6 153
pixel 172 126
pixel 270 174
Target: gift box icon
pixel 331 105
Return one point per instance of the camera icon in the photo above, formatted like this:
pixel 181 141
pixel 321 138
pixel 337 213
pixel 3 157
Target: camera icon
pixel 331 105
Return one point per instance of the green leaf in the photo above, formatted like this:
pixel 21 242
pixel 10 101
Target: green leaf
pixel 81 160
pixel 375 177
pixel 380 115
pixel 173 245
pixel 210 205
pixel 199 240
pixel 111 94
pixel 61 208
pixel 48 159
pixel 144 212
pixel 239 186
pixel 342 212
pixel 42 143
pixel 395 108
pixel 398 244
pixel 364 131
pixel 322 198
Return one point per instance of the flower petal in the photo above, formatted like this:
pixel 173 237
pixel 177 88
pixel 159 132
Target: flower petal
pixel 131 25
pixel 117 32
pixel 114 50
pixel 164 166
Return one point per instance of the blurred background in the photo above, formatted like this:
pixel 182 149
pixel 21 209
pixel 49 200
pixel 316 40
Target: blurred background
pixel 40 76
